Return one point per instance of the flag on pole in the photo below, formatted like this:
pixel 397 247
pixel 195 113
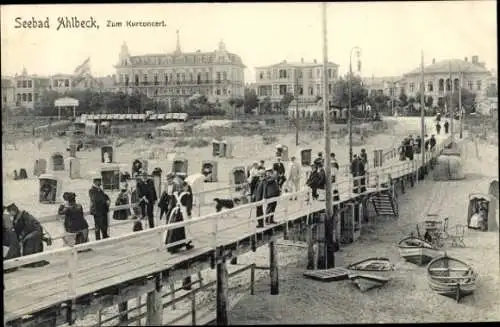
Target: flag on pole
pixel 83 68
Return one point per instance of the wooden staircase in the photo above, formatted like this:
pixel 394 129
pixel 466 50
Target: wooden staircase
pixel 385 204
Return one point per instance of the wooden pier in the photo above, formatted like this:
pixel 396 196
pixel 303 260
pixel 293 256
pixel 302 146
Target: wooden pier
pixel 123 268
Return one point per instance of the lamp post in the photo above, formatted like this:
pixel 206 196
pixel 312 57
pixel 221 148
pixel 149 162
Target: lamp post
pixel 349 122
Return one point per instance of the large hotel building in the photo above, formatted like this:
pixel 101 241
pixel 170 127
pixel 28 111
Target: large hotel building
pixel 304 79
pixel 175 77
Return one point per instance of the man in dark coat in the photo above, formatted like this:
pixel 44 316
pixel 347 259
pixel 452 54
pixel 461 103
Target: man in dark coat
pixel 446 127
pixel 357 170
pixel 261 172
pixel 418 144
pixel 279 168
pixel 317 178
pixel 147 197
pixel 409 149
pixel 99 208
pixel 438 128
pixel 28 230
pixel 268 188
pixel 426 143
pixel 74 219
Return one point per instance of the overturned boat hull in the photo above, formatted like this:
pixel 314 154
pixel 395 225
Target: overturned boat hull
pixel 367 282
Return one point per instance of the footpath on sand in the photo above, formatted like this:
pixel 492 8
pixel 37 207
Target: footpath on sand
pixel 407 298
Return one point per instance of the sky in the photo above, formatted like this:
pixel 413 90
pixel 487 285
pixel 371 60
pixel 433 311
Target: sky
pixel 391 35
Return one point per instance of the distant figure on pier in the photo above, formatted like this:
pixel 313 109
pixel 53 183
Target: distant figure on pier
pixel 418 144
pixel 320 158
pixel 279 168
pixel 261 173
pixel 74 220
pixel 99 208
pixel 182 203
pixel 253 177
pixel 402 150
pixel 293 176
pixel 335 166
pixel 123 199
pixel 364 157
pixel 432 142
pixel 446 126
pixel 438 117
pixel 426 143
pixel 409 148
pixel 317 178
pixel 147 197
pixel 136 167
pixel 28 230
pixel 438 128
pixel 268 188
pixel 166 197
pixel 358 170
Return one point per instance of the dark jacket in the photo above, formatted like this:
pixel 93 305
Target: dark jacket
pixel 364 157
pixel 279 168
pixel 29 233
pixel 74 220
pixel 267 188
pixel 432 142
pixel 98 202
pixel 147 189
pixel 121 200
pixel 317 179
pixel 10 240
pixel 357 167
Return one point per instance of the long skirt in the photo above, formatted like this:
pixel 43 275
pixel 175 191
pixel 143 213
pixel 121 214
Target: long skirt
pixel 177 234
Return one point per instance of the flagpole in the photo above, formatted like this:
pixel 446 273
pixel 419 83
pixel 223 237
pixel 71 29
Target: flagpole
pixel 329 250
pixel 422 113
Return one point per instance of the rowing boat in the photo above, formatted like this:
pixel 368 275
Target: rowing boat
pixel 371 273
pixel 417 251
pixel 451 277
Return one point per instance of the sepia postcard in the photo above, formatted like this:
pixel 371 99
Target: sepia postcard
pixel 250 163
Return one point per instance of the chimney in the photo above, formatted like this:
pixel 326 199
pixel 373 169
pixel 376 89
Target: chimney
pixel 475 59
pixel 466 59
pixel 433 61
pixel 302 60
pixel 315 61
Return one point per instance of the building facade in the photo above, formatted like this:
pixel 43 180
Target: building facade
pixel 8 93
pixel 175 77
pixel 302 79
pixel 437 82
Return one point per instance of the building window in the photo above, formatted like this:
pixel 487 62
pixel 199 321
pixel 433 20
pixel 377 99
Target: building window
pixel 198 78
pixel 311 90
pixel 136 79
pixel 478 85
pixel 456 84
pixel 66 83
pixel 301 90
pixel 218 77
pixel 318 89
pixel 430 87
pixel 217 92
pixel 330 89
pixel 329 73
pixel 191 77
pixel 30 84
pixel 145 79
pixel 207 77
pixel 441 85
pixel 268 74
pixel 156 93
pixel 471 85
pixel 224 76
pixel 36 97
pixel 19 84
pixel 282 89
pixel 282 73
pixel 310 73
pixel 24 97
pixel 448 84
pixel 412 87
pixel 155 79
pixel 183 77
pixel 18 97
pixel 318 72
pixel 126 80
pixel 25 84
pixel 300 74
pixel 30 97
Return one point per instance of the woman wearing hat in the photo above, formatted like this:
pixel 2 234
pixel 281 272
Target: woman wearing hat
pixel 28 230
pixel 182 203
pixel 74 220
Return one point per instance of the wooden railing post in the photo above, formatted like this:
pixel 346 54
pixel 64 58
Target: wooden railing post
pixel 154 305
pixel 273 264
pixel 73 268
pixel 252 279
pixel 222 294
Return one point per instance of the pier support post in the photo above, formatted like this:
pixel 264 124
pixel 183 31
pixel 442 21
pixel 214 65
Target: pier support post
pixel 122 310
pixel 154 305
pixel 412 180
pixel 222 294
pixel 402 186
pixel 273 264
pixel 310 246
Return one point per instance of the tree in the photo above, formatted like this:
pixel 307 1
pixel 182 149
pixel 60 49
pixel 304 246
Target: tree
pixel 266 106
pixel 340 97
pixel 403 98
pixel 251 101
pixel 468 100
pixel 285 101
pixel 428 101
pixel 492 91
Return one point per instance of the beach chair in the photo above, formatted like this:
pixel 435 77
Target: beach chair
pixel 457 240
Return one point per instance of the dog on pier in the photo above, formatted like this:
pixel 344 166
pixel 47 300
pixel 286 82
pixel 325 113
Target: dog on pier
pixel 230 203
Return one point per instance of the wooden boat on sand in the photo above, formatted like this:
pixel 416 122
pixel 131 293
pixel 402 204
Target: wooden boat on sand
pixel 417 251
pixel 451 277
pixel 371 273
